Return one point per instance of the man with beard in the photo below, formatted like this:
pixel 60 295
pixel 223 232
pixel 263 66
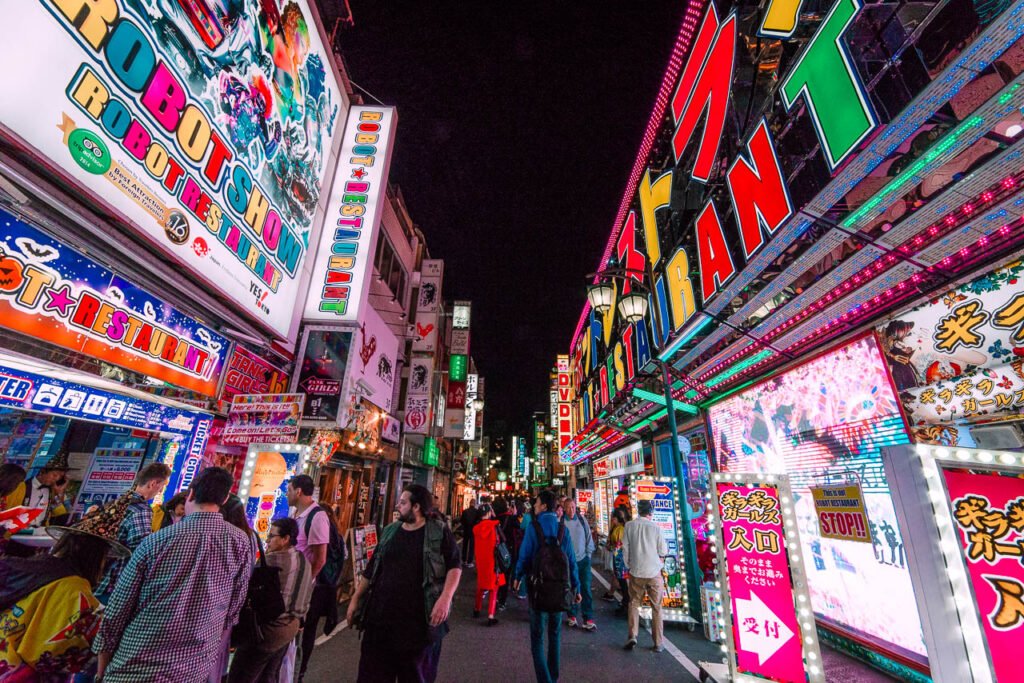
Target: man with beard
pixel 405 594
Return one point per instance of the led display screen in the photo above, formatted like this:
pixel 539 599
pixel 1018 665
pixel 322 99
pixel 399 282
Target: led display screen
pixel 824 422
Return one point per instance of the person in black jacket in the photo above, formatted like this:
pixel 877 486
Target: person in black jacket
pixel 470 516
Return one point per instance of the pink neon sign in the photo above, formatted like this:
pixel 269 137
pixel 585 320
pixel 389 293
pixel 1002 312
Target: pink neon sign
pixel 764 622
pixel 988 510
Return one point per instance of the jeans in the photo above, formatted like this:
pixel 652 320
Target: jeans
pixel 383 661
pixel 584 610
pixel 546 668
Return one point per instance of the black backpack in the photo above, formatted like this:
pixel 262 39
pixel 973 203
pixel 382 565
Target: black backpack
pixel 549 586
pixel 330 575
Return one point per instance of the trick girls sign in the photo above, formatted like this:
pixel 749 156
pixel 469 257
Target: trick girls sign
pixel 770 631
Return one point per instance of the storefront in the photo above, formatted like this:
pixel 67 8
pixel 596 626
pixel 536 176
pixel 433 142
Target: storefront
pixel 611 475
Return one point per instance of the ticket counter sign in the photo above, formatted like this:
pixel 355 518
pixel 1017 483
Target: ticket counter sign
pixel 768 635
pixel 841 514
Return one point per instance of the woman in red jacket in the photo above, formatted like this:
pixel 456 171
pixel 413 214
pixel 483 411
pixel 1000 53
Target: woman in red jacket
pixel 488 578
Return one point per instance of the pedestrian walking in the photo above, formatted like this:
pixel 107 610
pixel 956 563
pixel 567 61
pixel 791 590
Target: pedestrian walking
pixel 620 570
pixel 468 520
pixel 314 522
pixel 486 535
pixel 583 547
pixel 643 547
pixel 48 613
pixel 507 528
pixel 182 588
pixel 260 662
pixel 137 523
pixel 547 561
pixel 405 594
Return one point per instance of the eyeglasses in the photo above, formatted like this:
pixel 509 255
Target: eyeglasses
pixel 269 536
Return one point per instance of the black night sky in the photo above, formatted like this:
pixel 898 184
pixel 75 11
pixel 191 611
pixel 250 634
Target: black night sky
pixel 518 125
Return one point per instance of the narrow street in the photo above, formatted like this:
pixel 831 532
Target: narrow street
pixel 472 652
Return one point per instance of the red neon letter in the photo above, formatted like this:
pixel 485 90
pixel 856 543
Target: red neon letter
pixel 758 191
pixel 704 87
pixel 629 257
pixel 712 253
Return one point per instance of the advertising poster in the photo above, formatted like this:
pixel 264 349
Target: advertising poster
pixel 268 469
pixel 263 418
pixel 431 274
pixel 961 354
pixel 840 511
pixel 766 632
pixel 376 360
pixel 417 414
pixel 988 509
pixel 343 263
pixel 51 292
pixel 208 126
pixel 832 415
pixel 364 543
pixel 662 494
pixel 325 355
pixel 247 373
pixel 111 473
pixel 425 339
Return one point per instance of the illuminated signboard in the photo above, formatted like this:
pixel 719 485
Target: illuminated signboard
pixel 770 631
pixel 540 451
pixel 325 355
pixel 731 221
pixel 469 424
pixel 832 415
pixel 263 488
pixel 263 418
pixel 967 505
pixel 461 312
pixel 189 123
pixel 344 260
pixel 430 452
pixel 250 374
pixel 564 402
pixel 54 293
pixel 373 366
pixel 457 368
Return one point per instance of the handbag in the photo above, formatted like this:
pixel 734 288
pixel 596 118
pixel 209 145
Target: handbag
pixel 263 602
pixel 502 555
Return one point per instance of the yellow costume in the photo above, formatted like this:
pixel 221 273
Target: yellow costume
pixel 49 631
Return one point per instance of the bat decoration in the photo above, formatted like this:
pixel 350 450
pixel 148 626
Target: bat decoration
pixel 37 252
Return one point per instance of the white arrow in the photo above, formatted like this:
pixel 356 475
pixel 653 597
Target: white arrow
pixel 759 629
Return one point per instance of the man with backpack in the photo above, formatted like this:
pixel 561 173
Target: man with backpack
pixel 547 561
pixel 321 545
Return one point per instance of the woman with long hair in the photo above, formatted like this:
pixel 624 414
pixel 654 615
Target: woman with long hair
pixel 488 578
pixel 619 569
pixel 46 596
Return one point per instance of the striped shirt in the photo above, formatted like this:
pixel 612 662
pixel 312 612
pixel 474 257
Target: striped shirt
pixel 294 567
pixel 178 595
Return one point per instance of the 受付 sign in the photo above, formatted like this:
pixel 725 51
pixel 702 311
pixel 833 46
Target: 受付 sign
pixel 768 635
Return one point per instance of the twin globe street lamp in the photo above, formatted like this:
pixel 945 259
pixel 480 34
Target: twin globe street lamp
pixel 632 306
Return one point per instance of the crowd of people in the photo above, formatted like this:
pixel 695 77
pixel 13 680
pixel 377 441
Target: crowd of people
pixel 136 591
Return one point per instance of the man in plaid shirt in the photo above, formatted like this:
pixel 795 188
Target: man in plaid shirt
pixel 181 591
pixel 137 524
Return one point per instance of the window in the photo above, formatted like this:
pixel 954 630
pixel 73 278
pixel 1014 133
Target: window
pixel 390 268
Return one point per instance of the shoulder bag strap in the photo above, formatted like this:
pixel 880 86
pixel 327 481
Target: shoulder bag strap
pixel 309 519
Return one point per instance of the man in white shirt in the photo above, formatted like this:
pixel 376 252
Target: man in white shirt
pixel 643 546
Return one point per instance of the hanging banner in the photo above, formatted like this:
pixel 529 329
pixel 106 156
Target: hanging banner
pixel 988 508
pixel 263 418
pixel 52 292
pixel 247 373
pixel 325 355
pixel 431 275
pixel 460 342
pixel 425 339
pixel 374 365
pixel 564 423
pixel 417 414
pixel 841 514
pixel 767 638
pixel 209 131
pixel 390 429
pixel 344 261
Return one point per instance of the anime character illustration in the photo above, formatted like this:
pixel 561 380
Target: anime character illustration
pixel 904 375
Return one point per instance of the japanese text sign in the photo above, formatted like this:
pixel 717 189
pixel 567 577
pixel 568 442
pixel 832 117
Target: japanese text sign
pixel 841 514
pixel 765 630
pixel 988 511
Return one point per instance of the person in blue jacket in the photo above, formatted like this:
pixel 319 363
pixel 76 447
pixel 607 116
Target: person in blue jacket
pixel 547 668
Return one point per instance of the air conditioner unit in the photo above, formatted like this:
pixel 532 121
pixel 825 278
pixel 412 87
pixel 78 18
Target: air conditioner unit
pixel 998 437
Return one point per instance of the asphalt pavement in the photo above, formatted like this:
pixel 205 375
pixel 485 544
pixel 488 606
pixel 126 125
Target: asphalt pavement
pixel 473 652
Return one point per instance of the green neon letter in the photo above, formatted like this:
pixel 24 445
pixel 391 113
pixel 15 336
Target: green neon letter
pixel 825 77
